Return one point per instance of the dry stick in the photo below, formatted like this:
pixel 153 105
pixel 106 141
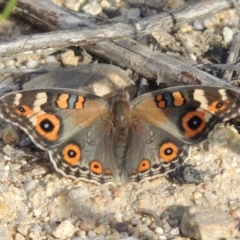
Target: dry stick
pixel 232 56
pixel 235 47
pixel 60 39
pixel 237 7
pixel 47 16
pixel 218 66
pixel 131 53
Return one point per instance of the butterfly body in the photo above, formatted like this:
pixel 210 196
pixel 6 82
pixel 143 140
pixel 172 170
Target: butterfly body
pixel 107 141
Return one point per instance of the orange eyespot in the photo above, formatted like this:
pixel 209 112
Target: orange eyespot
pixel 144 165
pixel 217 106
pixel 71 154
pixel 193 123
pixel 168 151
pixel 96 167
pixel 24 110
pixel 48 126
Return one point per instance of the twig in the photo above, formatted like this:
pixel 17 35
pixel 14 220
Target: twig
pixel 218 66
pixel 48 16
pixel 237 7
pixel 232 56
pixel 60 39
pixel 235 47
pixel 131 53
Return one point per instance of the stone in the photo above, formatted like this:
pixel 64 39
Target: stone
pixel 69 59
pixel 88 224
pixel 133 13
pixel 102 229
pixel 32 64
pixel 92 8
pixel 204 223
pixel 121 227
pixel 64 230
pixel 227 34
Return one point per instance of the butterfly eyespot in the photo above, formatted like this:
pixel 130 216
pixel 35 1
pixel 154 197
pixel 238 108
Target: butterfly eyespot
pixel 48 126
pixel 144 165
pixel 24 110
pixel 71 154
pixel 96 167
pixel 168 151
pixel 193 123
pixel 21 109
pixel 217 106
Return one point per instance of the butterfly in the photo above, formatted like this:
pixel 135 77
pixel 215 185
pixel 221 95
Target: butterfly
pixel 109 141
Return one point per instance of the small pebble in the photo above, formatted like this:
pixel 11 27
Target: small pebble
pixel 92 8
pixel 32 64
pixel 10 63
pixel 19 236
pixel 121 227
pixel 100 237
pixel 159 230
pixel 118 216
pixel 133 13
pixel 209 22
pixel 91 234
pixel 64 230
pixel 162 238
pixel 130 238
pixel 2 65
pixel 23 229
pixel 167 228
pixel 198 24
pixel 227 34
pixel 102 229
pixel 29 186
pixel 52 62
pixel 68 58
pixel 88 224
pixel 206 223
pixel 174 232
pixel 73 5
pixel 175 4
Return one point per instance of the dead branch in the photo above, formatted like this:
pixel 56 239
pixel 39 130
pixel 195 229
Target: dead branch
pixel 60 39
pixel 48 16
pixel 232 56
pixel 153 64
